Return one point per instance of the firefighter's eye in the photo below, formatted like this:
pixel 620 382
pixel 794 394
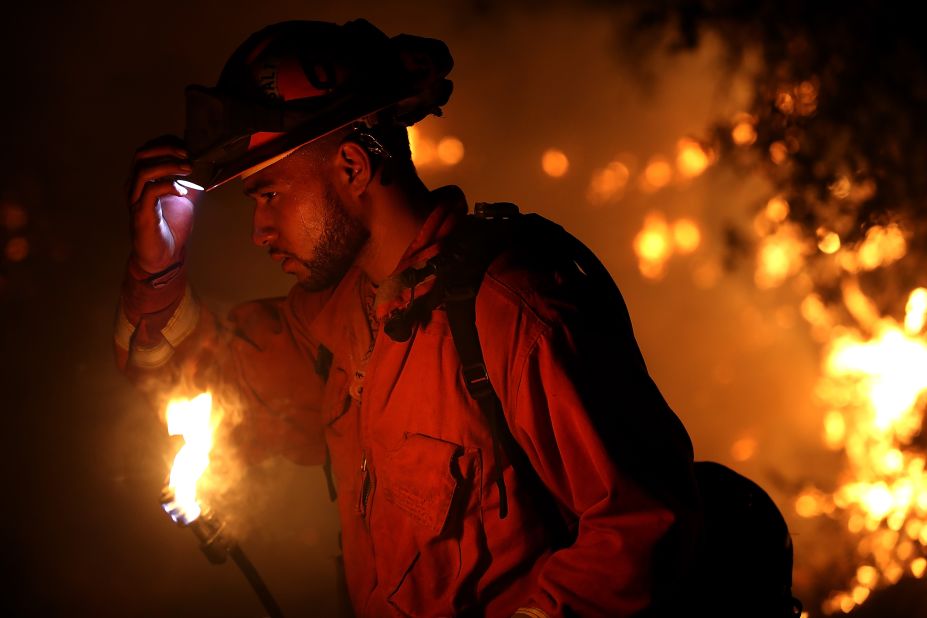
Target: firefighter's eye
pixel 269 195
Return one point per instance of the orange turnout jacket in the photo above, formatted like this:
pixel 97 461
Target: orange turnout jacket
pixel 411 453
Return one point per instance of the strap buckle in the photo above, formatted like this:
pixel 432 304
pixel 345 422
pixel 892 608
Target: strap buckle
pixel 476 379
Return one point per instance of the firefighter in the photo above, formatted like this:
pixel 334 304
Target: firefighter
pixel 497 452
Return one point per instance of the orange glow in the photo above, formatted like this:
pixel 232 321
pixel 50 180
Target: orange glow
pixel 881 247
pixel 653 246
pixel 608 183
pixel 450 150
pixel 424 150
pixel 807 95
pixel 743 133
pixel 806 506
pixel 835 430
pixel 813 310
pixel 691 158
pixel 915 311
pixel 828 242
pixel 875 386
pixel 777 209
pixel 429 152
pixel 785 102
pixel 840 188
pixel 17 249
pixel 918 566
pixel 744 448
pixel 867 575
pixel 13 216
pixel 706 275
pixel 780 256
pixel 778 153
pixel 192 419
pixel 657 174
pixel 554 163
pixel 686 236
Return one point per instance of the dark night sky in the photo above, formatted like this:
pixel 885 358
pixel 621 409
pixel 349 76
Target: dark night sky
pixel 86 83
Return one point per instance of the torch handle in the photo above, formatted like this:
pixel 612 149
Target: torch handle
pixel 251 574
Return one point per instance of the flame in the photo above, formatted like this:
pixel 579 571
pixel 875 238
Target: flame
pixel 192 419
pixel 872 388
pixel 875 386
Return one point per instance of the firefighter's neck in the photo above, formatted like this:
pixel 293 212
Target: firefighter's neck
pixel 396 213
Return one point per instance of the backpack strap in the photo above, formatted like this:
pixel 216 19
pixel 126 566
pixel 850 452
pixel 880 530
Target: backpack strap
pixel 491 230
pixel 461 316
pixel 460 272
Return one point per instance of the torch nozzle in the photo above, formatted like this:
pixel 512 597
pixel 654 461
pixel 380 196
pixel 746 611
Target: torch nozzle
pixel 215 545
pixel 218 547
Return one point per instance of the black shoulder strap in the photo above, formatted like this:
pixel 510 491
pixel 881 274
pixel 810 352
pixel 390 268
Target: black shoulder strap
pixel 486 236
pixel 461 316
pixel 480 240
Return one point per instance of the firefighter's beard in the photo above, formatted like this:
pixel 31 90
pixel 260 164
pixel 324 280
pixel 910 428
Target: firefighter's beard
pixel 340 242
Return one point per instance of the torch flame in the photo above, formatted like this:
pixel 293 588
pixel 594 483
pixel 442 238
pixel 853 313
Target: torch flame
pixel 190 418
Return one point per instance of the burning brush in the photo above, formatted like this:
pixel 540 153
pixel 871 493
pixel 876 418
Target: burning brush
pixel 191 418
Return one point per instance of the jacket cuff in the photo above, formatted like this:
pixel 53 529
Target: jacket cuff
pixel 145 293
pixel 150 337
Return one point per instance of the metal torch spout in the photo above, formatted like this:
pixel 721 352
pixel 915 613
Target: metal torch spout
pixel 217 545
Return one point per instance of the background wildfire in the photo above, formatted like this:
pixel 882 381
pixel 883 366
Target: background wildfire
pixel 751 174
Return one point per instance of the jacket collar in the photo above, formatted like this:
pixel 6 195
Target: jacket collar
pixel 343 325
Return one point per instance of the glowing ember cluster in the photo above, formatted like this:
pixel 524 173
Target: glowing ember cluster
pixel 872 389
pixel 873 385
pixel 659 239
pixel 192 419
pixel 429 152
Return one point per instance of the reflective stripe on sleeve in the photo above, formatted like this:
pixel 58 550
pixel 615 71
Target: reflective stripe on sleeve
pixel 531 612
pixel 181 324
pixel 153 357
pixel 184 320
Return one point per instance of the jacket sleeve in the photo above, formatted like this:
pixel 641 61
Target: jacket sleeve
pixel 259 362
pixel 605 443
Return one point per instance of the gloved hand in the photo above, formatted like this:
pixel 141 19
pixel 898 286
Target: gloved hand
pixel 161 209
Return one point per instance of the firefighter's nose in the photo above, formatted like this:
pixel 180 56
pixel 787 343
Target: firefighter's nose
pixel 263 230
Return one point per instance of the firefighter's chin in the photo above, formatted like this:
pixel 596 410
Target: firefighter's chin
pixel 289 265
pixel 295 267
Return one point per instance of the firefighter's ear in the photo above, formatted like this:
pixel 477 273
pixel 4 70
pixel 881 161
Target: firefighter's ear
pixel 353 167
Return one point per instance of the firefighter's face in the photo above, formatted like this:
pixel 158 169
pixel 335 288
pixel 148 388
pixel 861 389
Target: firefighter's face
pixel 303 222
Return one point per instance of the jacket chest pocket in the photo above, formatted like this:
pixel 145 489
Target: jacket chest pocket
pixel 424 492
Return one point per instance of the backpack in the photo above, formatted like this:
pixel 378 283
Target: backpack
pixel 744 547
